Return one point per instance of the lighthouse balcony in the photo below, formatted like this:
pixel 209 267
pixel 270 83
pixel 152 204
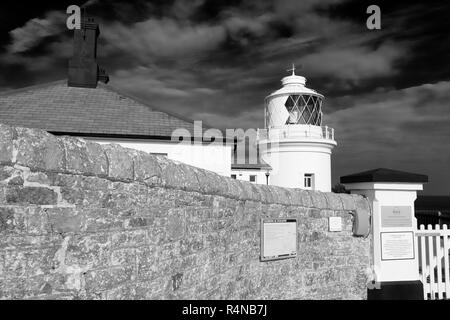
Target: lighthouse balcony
pixel 295 132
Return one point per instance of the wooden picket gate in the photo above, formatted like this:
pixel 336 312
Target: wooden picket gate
pixel 433 245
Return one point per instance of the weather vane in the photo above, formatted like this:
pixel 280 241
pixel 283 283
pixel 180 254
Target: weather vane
pixel 293 69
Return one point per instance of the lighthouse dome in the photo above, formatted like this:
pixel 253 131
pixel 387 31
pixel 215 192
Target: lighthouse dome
pixel 294 104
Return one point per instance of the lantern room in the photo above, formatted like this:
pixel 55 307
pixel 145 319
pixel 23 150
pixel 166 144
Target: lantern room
pixel 293 104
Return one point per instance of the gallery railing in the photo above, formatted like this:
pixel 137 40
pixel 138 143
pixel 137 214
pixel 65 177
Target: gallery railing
pixel 305 131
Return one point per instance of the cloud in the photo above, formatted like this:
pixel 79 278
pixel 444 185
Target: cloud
pixel 58 52
pixel 35 30
pixel 336 49
pixel 40 45
pixel 183 9
pixel 253 31
pixel 170 38
pixel 199 96
pixel 354 63
pixel 295 7
pixel 387 129
pixel 165 38
pixel 257 26
pixel 4 88
pixel 174 91
pixel 90 3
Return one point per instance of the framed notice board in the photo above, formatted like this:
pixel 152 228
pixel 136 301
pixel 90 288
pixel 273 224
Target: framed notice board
pixel 278 239
pixel 397 245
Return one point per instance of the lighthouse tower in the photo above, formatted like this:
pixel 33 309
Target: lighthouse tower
pixel 294 142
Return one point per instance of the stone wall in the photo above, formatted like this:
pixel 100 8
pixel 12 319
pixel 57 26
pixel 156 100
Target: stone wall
pixel 84 221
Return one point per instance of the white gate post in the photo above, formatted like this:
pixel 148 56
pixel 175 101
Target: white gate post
pixel 395 254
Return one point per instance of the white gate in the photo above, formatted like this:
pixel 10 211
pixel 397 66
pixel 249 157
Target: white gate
pixel 433 245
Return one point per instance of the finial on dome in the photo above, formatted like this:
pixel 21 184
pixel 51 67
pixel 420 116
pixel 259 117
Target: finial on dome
pixel 293 79
pixel 292 69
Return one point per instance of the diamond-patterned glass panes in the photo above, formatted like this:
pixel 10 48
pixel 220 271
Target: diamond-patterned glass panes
pixel 291 102
pixel 304 109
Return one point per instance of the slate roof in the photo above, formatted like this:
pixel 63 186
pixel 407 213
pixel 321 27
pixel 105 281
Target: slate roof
pixel 384 175
pixel 102 111
pixel 261 165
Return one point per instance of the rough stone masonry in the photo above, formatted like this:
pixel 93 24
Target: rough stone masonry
pixel 83 221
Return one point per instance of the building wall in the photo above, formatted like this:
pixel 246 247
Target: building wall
pixel 244 175
pixel 212 157
pixel 79 220
pixel 295 150
pixel 290 162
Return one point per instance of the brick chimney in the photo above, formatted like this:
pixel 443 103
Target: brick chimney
pixel 83 68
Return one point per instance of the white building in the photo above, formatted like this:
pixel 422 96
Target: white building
pixel 253 171
pixel 84 107
pixel 205 155
pixel 294 144
pixel 293 150
pixel 106 115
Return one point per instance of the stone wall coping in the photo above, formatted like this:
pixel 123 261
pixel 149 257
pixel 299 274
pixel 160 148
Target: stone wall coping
pixel 42 151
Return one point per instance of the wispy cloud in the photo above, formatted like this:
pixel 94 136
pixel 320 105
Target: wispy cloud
pixel 35 30
pixel 404 129
pixel 354 63
pixel 165 38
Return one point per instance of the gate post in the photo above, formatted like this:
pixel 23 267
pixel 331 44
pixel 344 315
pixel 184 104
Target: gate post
pixel 394 252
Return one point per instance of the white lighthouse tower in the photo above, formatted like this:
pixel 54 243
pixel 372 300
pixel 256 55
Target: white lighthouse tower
pixel 295 144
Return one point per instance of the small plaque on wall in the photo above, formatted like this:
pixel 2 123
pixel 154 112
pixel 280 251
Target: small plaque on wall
pixel 335 224
pixel 278 239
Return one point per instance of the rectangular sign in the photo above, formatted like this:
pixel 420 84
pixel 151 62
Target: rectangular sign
pixel 397 245
pixel 335 224
pixel 396 217
pixel 278 239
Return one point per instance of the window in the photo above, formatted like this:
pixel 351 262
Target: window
pixel 233 176
pixel 309 181
pixel 304 109
pixel 253 178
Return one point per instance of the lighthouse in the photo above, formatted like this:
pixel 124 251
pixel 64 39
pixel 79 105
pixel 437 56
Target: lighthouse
pixel 295 143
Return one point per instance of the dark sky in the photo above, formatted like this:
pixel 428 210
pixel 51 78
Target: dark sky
pixel 387 91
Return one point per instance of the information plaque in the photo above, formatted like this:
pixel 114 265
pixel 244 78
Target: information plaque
pixel 397 245
pixel 396 217
pixel 334 224
pixel 278 239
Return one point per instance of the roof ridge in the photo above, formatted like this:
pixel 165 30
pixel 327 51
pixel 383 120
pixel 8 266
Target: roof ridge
pixel 32 87
pixel 82 110
pixel 105 86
